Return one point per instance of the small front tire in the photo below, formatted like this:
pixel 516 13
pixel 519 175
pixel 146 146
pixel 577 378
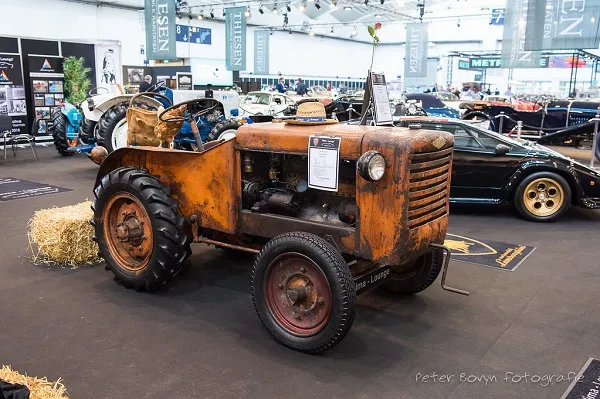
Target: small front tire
pixel 417 276
pixel 303 292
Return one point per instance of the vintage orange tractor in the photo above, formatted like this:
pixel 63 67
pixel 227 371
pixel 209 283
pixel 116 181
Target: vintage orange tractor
pixel 330 211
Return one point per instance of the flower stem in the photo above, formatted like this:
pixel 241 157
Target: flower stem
pixel 372 58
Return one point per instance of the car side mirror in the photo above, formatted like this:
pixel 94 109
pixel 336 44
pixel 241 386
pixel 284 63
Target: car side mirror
pixel 502 149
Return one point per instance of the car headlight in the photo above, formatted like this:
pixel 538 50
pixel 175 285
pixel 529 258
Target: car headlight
pixel 371 166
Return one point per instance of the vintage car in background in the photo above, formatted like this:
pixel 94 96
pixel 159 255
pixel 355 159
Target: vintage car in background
pixel 429 104
pixel 490 168
pixel 265 103
pixel 551 121
pixel 449 99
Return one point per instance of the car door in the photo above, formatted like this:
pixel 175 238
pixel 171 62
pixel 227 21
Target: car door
pixel 478 173
pixel 277 105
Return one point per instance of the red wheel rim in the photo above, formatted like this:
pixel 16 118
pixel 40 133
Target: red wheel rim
pixel 298 294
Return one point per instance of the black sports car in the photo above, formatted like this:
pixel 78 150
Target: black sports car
pixel 490 168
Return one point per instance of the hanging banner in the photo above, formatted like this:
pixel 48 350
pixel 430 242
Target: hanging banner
pixel 261 52
pixel 514 54
pixel 235 38
pixel 108 65
pixel 563 24
pixel 415 60
pixel 12 92
pixel 160 29
pixel 47 87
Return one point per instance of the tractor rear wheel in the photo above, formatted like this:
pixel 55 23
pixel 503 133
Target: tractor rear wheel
pixel 107 124
pixel 59 133
pixel 139 229
pixel 303 292
pixel 417 276
pixel 223 129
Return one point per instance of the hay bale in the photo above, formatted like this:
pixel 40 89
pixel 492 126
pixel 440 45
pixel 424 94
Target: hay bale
pixel 63 235
pixel 39 388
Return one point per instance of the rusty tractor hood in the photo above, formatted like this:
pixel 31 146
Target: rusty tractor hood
pixel 293 139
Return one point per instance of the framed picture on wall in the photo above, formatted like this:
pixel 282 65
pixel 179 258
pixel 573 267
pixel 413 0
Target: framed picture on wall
pixel 42 112
pixel 49 100
pixel 38 100
pixel 56 86
pixel 40 86
pixel 59 99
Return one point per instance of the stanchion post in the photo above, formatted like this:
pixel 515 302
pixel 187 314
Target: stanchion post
pixel 519 128
pixel 501 122
pixel 595 140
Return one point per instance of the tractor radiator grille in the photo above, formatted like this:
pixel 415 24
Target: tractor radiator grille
pixel 428 196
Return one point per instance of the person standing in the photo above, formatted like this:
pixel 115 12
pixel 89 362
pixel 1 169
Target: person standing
pixel 146 84
pixel 281 86
pixel 301 88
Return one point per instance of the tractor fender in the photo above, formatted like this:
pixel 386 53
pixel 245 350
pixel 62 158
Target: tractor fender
pixel 105 105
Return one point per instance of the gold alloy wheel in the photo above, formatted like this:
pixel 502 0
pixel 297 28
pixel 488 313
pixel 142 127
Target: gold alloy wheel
pixel 543 197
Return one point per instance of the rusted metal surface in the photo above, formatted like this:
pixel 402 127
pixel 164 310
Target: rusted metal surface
pixel 389 239
pixel 293 139
pixel 270 225
pixel 298 294
pixel 224 244
pixel 128 231
pixel 201 182
pixel 396 218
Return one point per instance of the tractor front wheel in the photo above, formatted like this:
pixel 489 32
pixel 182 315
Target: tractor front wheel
pixel 416 276
pixel 59 133
pixel 303 292
pixel 107 125
pixel 139 229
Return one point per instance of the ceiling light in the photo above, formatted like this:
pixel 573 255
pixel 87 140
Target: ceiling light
pixel 378 16
pixel 593 20
pixel 347 8
pixel 248 12
pixel 285 19
pixel 224 12
pixel 212 14
pixel 201 15
pixel 271 32
pixel 317 5
pixel 382 1
pixel 260 9
pixel 332 29
pixel 311 33
pixel 275 10
pixel 288 7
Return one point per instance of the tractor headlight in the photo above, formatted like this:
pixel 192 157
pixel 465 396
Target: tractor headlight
pixel 371 166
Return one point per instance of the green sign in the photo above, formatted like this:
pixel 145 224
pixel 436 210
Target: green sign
pixel 490 63
pixel 160 30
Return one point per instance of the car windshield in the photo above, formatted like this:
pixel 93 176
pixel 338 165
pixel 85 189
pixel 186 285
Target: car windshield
pixel 495 136
pixel 427 100
pixel 318 89
pixel 444 96
pixel 257 98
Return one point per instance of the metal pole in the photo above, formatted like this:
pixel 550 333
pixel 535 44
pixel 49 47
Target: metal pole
pixel 571 79
pixel 576 69
pixel 519 128
pixel 501 122
pixel 595 141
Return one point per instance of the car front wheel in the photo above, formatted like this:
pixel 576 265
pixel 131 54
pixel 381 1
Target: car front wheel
pixel 542 197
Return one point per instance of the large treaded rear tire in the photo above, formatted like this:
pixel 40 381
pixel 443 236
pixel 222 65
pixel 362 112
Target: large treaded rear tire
pixel 340 280
pixel 59 134
pixel 171 245
pixel 107 124
pixel 87 130
pixel 426 270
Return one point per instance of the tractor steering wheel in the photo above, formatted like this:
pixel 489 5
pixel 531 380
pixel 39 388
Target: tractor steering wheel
pixel 96 90
pixel 158 86
pixel 192 111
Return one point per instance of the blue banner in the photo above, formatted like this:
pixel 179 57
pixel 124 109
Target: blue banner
pixel 194 34
pixel 235 39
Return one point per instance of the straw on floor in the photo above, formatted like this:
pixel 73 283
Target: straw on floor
pixel 63 235
pixel 39 388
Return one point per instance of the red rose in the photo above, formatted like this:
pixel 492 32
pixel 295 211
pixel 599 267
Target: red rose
pixel 378 26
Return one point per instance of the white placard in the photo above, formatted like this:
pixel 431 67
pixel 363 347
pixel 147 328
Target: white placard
pixel 323 162
pixel 381 99
pixel 108 65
